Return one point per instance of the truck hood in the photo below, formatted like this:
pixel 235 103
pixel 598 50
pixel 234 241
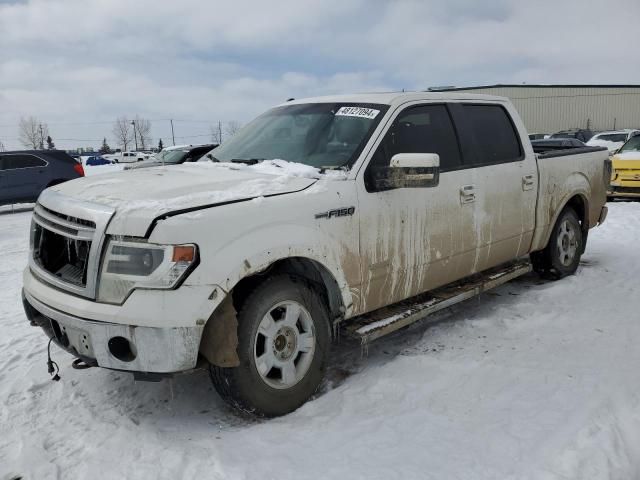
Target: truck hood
pixel 140 196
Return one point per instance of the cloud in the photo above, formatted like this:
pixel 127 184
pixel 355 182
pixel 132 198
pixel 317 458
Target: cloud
pixel 78 64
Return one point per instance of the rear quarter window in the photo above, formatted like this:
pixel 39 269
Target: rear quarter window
pixel 495 137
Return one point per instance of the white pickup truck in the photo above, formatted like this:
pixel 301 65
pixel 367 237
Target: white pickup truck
pixel 127 157
pixel 377 210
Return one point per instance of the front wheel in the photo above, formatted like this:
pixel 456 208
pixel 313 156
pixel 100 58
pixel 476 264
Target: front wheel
pixel 283 343
pixel 562 254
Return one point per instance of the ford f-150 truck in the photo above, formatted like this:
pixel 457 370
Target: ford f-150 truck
pixel 357 214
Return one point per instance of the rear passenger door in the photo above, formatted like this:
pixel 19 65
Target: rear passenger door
pixel 23 176
pixel 415 239
pixel 504 181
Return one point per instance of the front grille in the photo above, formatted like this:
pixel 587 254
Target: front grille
pixel 67 235
pixel 62 245
pixel 68 218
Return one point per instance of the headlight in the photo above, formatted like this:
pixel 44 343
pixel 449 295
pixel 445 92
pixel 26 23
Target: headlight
pixel 129 264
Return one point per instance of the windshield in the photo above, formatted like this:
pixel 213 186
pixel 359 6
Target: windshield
pixel 323 135
pixel 171 156
pixel 633 145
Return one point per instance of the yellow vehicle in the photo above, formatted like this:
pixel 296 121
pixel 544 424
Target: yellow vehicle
pixel 625 172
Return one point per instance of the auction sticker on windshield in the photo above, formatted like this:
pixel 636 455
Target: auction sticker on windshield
pixel 362 112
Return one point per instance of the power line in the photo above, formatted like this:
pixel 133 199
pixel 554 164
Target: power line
pixel 107 122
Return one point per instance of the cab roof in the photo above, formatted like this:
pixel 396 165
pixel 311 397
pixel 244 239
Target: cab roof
pixel 396 98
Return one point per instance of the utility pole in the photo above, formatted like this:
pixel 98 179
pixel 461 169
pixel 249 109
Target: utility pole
pixel 135 137
pixel 173 137
pixel 219 131
pixel 41 138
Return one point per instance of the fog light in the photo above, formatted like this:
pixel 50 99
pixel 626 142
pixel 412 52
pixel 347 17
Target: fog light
pixel 120 348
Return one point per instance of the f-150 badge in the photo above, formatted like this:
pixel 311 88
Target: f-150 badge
pixel 338 212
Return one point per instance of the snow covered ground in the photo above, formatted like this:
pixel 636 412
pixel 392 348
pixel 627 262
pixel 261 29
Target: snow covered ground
pixel 90 170
pixel 536 380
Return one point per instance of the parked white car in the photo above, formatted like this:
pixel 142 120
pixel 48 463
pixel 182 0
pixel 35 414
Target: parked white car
pixel 127 157
pixel 375 205
pixel 612 140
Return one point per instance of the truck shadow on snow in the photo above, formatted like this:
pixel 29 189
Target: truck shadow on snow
pixel 350 357
pixel 191 399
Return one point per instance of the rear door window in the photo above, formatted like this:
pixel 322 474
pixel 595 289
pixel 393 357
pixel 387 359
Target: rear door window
pixel 12 162
pixel 490 133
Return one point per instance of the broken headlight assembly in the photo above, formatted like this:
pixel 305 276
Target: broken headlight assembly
pixel 130 263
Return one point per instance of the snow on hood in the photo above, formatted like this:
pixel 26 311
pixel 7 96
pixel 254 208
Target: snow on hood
pixel 141 195
pixel 627 156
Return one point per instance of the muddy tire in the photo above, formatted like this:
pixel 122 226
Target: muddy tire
pixel 283 343
pixel 562 254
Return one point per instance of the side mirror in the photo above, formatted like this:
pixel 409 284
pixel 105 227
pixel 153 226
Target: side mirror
pixel 414 170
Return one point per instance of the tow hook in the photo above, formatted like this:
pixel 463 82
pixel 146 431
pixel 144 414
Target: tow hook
pixel 79 364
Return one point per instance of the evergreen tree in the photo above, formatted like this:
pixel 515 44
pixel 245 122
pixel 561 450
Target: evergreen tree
pixel 50 144
pixel 160 145
pixel 105 148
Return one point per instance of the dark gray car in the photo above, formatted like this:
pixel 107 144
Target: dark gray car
pixel 175 156
pixel 24 174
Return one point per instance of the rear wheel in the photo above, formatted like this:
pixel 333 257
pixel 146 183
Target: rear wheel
pixel 283 343
pixel 562 254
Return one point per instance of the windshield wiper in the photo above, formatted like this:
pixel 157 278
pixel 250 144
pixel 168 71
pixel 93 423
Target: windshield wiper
pixel 248 161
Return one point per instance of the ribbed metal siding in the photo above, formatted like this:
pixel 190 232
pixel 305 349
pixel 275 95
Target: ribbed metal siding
pixel 549 109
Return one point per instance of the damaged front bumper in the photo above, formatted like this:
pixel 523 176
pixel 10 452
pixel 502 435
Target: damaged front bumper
pixel 116 346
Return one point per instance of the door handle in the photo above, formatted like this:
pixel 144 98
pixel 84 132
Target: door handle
pixel 527 182
pixel 467 194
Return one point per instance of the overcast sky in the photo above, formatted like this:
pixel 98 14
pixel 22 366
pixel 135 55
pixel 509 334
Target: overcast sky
pixel 79 64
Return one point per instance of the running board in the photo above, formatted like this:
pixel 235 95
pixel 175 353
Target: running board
pixel 384 321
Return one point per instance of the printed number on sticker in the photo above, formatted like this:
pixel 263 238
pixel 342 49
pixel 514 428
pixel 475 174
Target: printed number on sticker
pixel 357 112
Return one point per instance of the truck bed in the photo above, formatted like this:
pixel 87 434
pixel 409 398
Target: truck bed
pixel 549 151
pixel 563 173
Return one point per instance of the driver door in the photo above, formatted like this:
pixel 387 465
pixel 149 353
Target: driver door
pixel 415 239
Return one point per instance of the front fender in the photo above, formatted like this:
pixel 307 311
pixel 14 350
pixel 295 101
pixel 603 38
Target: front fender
pixel 239 258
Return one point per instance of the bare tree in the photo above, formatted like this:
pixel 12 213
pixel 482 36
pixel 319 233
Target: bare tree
pixel 32 133
pixel 123 132
pixel 2 147
pixel 143 130
pixel 231 128
pixel 216 133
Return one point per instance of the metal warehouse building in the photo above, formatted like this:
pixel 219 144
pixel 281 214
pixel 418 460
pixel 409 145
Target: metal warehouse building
pixel 550 108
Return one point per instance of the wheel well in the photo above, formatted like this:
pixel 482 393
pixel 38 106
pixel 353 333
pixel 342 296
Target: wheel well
pixel 579 206
pixel 313 271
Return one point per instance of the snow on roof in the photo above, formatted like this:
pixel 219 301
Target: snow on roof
pixel 613 132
